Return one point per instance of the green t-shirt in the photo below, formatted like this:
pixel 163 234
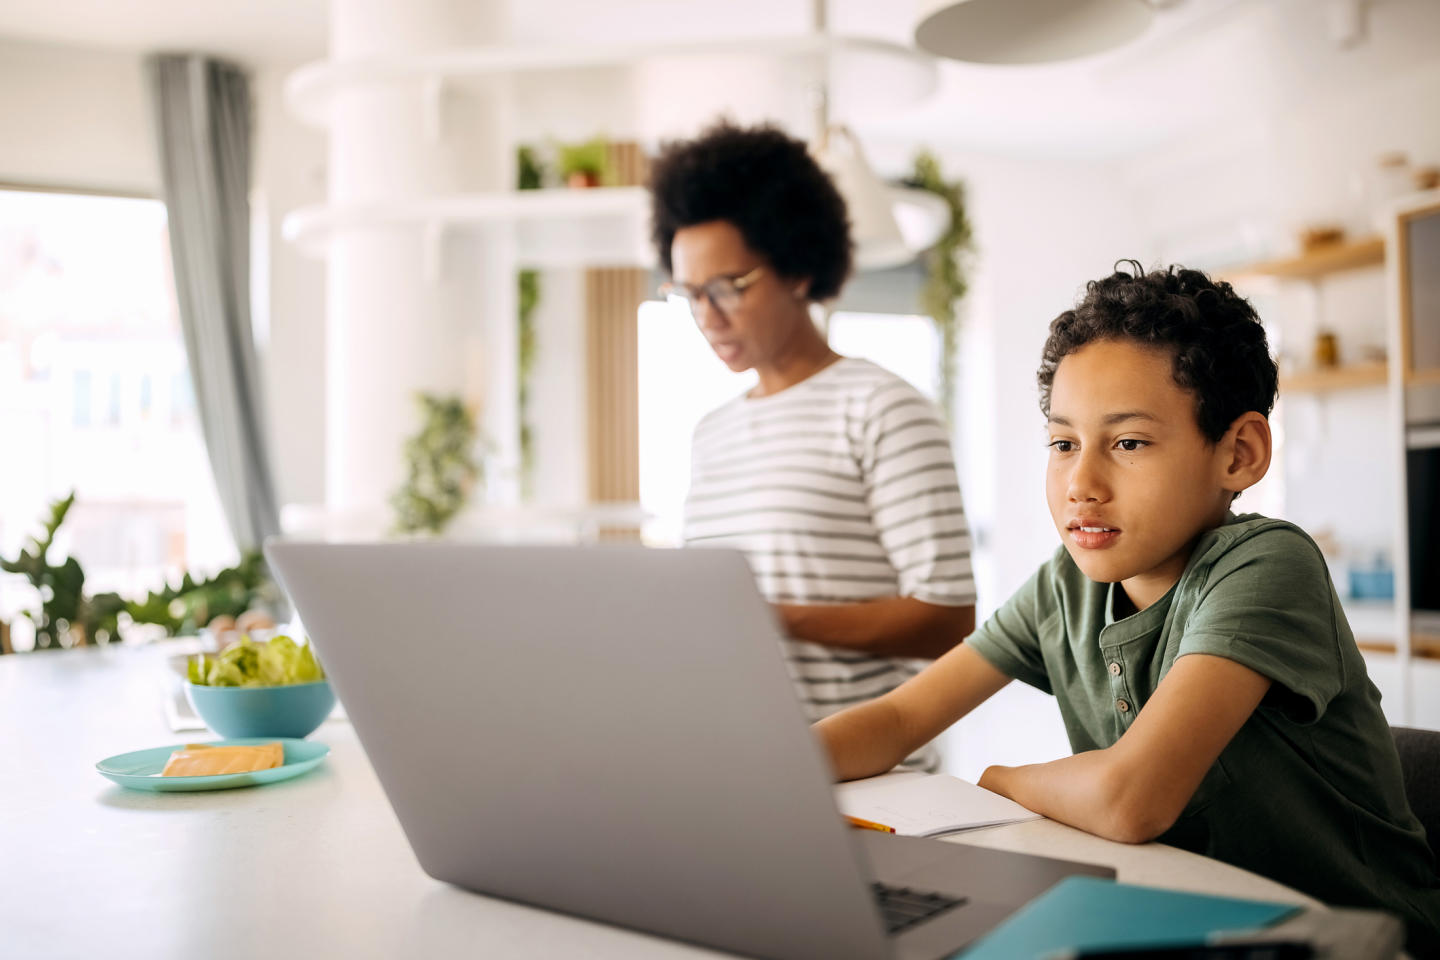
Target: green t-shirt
pixel 1309 791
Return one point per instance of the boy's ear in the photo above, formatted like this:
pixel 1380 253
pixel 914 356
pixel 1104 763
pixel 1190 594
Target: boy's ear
pixel 1245 452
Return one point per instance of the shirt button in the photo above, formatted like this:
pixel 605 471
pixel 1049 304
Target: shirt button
pixel 1114 669
pixel 1122 705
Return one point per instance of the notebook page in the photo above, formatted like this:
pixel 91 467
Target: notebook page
pixel 925 805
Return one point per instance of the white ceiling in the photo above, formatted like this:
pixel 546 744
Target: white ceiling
pixel 247 30
pixel 1202 60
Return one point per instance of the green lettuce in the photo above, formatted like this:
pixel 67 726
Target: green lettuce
pixel 278 662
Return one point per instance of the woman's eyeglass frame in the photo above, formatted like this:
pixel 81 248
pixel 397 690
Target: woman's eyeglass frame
pixel 724 293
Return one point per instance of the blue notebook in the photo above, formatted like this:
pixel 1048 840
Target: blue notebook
pixel 1085 913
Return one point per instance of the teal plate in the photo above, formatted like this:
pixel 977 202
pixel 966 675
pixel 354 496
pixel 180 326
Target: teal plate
pixel 140 770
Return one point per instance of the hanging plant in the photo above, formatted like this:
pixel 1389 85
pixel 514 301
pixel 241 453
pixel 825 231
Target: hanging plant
pixel 947 264
pixel 529 299
pixel 441 467
pixel 530 176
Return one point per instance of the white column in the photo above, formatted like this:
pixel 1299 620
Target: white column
pixel 413 309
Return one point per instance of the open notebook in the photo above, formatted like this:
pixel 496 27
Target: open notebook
pixel 926 805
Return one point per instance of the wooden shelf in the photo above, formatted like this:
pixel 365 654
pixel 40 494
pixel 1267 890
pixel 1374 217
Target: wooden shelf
pixel 1374 624
pixel 600 226
pixel 603 226
pixel 1352 377
pixel 1351 255
pixel 1421 648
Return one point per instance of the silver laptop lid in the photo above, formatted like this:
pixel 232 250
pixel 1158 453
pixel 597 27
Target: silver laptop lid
pixel 606 731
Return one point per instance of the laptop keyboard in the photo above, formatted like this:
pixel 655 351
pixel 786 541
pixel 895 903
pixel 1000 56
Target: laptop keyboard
pixel 904 908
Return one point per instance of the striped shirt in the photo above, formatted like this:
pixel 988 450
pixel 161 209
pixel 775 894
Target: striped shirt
pixel 839 489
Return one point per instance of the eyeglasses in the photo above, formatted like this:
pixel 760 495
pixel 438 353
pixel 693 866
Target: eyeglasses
pixel 724 293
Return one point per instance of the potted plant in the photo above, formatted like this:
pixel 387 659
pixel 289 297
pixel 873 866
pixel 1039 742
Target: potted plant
pixel 67 617
pixel 234 594
pixel 584 164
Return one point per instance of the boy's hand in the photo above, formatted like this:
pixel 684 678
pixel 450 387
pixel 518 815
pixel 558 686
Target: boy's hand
pixel 870 738
pixel 1136 789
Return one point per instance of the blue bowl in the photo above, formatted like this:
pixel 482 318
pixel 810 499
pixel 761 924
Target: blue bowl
pixel 294 710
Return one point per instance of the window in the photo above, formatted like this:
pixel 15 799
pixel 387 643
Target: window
pixel 95 397
pixel 147 398
pixel 681 380
pixel 905 345
pixel 80 400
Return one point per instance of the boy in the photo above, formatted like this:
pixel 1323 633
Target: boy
pixel 1208 680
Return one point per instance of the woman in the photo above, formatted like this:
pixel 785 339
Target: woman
pixel 834 476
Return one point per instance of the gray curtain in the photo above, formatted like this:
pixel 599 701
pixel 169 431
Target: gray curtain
pixel 202 117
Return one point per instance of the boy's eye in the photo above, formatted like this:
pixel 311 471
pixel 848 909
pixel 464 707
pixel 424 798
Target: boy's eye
pixel 1130 446
pixel 1062 446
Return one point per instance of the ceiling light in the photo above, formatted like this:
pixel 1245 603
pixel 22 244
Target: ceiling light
pixel 1028 31
pixel 873 228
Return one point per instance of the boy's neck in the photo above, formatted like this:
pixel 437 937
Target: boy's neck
pixel 1145 589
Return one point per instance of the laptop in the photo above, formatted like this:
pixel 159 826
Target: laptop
pixel 611 732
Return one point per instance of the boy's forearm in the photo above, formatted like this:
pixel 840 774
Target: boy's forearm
pixel 1087 791
pixel 1135 789
pixel 870 738
pixel 889 626
pixel 863 741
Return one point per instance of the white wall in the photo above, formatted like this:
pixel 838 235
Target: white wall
pixel 74 118
pixel 1241 191
pixel 1218 196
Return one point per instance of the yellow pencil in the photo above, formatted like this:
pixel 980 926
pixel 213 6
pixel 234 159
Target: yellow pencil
pixel 867 824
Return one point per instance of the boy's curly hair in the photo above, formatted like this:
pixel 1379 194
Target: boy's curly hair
pixel 1218 346
pixel 767 185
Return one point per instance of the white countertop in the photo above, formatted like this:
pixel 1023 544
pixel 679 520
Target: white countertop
pixel 311 867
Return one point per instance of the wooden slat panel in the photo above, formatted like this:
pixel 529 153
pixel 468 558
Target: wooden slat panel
pixel 629 167
pixel 612 299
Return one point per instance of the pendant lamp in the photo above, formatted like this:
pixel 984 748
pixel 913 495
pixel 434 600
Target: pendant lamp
pixel 1028 31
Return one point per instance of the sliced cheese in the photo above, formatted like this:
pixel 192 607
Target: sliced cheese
pixel 204 760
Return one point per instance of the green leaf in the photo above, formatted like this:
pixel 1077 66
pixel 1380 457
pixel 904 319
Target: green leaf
pixel 441 467
pixel 277 662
